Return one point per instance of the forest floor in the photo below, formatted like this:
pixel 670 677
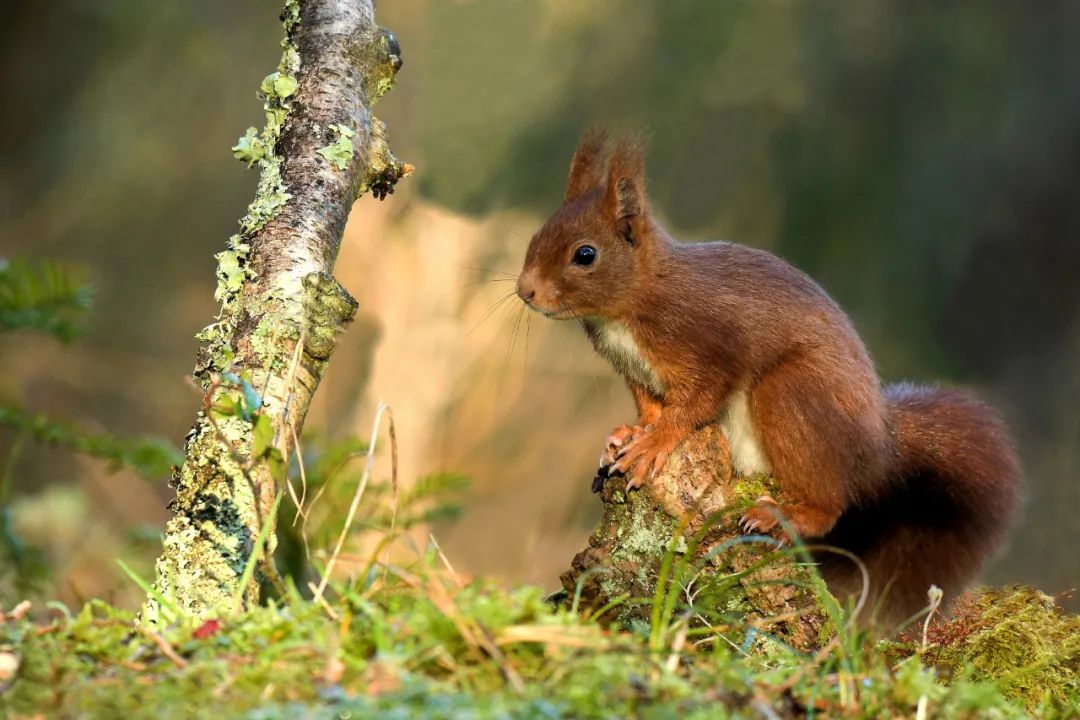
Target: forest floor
pixel 420 642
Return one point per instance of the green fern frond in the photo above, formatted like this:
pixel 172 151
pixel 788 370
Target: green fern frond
pixel 324 459
pixel 42 295
pixel 25 564
pixel 436 486
pixel 150 457
pixel 434 498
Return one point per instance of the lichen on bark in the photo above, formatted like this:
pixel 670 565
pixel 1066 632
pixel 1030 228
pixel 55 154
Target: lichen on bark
pixel 689 513
pixel 281 308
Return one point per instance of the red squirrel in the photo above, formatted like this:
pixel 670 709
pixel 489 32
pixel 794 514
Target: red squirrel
pixel 920 483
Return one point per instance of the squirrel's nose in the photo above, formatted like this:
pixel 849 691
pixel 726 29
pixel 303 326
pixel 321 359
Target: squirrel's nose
pixel 526 287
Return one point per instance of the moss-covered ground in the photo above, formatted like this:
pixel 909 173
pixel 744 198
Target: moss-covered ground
pixel 419 642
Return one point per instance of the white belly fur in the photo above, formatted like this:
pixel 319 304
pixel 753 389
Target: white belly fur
pixel 747 455
pixel 615 342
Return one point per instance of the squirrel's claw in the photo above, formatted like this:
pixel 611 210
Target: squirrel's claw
pixel 761 518
pixel 619 438
pixel 642 458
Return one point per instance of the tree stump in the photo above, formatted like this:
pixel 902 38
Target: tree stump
pixel 690 514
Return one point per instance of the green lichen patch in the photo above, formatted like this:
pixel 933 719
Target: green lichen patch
pixel 290 19
pixel 279 86
pixel 256 148
pixel 328 307
pixel 230 271
pixel 249 147
pixel 386 61
pixel 209 540
pixel 340 152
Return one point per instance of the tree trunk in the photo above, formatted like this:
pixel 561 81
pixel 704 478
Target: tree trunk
pixel 281 308
pixel 689 514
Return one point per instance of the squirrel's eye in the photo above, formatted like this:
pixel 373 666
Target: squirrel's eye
pixel 585 255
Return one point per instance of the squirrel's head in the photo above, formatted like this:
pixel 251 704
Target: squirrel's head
pixel 582 262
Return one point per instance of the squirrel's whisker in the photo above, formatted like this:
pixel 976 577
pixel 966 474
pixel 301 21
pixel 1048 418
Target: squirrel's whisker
pixel 528 324
pixel 490 271
pixel 514 332
pixel 495 306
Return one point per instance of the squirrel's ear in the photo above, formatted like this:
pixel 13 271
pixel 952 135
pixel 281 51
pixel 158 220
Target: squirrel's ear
pixel 587 167
pixel 626 180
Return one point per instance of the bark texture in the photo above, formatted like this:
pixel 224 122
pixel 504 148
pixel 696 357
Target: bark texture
pixel 281 308
pixel 691 513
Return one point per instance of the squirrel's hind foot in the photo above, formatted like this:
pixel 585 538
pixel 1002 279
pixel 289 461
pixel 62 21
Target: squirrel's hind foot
pixel 798 519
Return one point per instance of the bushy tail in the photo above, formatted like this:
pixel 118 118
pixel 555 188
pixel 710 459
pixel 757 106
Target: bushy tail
pixel 951 494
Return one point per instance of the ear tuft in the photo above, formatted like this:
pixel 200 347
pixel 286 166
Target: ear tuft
pixel 626 179
pixel 587 167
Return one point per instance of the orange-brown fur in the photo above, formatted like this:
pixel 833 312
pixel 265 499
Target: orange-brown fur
pixel 920 483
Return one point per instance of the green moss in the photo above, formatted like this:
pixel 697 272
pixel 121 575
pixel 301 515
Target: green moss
pixel 1016 636
pixel 747 490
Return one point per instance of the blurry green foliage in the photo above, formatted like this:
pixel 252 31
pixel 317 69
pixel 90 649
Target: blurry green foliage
pixel 151 458
pixel 43 296
pixel 24 565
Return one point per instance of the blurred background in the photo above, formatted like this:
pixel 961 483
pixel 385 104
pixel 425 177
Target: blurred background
pixel 921 160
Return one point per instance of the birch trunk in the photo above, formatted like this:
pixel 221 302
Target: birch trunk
pixel 281 308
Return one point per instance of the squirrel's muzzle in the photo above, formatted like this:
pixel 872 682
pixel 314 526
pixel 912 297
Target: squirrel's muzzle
pixel 526 286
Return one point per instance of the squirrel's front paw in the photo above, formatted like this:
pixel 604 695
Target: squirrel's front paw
pixel 618 438
pixel 643 457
